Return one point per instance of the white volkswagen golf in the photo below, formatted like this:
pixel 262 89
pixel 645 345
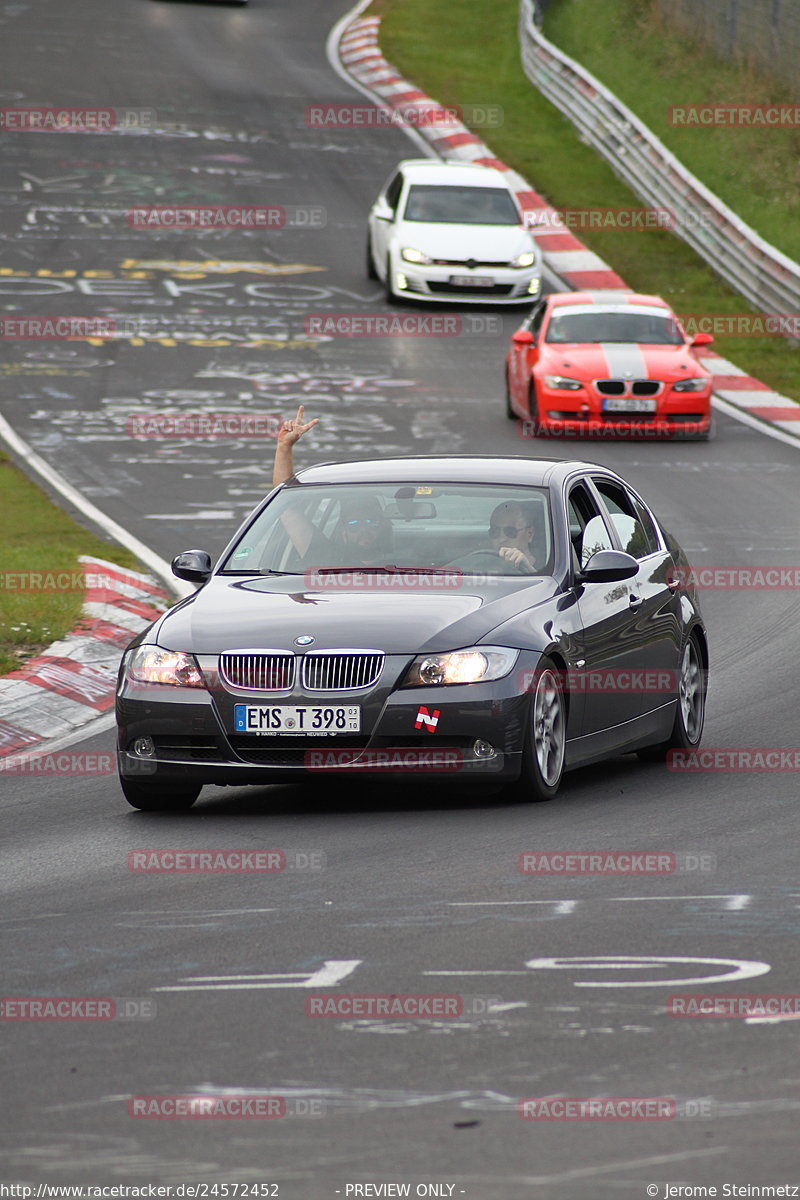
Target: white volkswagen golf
pixel 451 232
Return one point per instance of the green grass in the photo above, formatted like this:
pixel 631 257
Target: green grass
pixel 480 65
pixel 640 56
pixel 36 535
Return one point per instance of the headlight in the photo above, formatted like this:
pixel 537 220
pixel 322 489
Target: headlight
pixel 152 664
pixel 414 256
pixel 696 384
pixel 562 383
pixel 475 665
pixel 524 260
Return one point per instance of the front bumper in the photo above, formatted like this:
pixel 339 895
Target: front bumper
pixel 510 285
pixel 579 414
pixel 194 740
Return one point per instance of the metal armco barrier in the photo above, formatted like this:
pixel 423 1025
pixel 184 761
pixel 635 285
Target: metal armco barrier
pixel 754 268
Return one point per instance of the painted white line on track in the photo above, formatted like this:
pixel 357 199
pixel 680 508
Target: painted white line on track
pixel 753 422
pixel 332 53
pixel 153 561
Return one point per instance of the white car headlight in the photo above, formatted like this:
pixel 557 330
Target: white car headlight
pixel 562 383
pixel 697 383
pixel 414 256
pixel 524 260
pixel 478 664
pixel 154 664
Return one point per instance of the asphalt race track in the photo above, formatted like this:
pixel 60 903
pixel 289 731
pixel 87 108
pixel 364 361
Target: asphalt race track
pixel 414 890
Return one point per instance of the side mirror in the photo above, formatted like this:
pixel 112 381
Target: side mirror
pixel 522 337
pixel 702 339
pixel 608 566
pixel 192 565
pixel 382 211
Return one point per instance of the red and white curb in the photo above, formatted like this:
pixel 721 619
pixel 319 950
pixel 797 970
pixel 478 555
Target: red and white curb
pixel 564 255
pixel 75 680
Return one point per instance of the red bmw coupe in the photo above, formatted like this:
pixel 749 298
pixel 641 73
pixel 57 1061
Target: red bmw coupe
pixel 595 364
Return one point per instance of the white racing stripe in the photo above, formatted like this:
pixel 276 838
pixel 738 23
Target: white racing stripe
pixel 625 360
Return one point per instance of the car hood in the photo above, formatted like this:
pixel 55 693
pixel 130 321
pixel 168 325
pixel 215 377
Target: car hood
pixel 485 243
pixel 619 360
pixel 269 613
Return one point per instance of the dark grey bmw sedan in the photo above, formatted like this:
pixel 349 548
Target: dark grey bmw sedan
pixel 493 620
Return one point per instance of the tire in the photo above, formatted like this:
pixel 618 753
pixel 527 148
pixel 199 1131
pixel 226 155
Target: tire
pixel 545 738
pixel 536 425
pixel 691 708
pixel 512 416
pixel 371 272
pixel 390 296
pixel 159 797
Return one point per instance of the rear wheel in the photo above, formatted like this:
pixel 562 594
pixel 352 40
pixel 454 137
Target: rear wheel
pixel 546 738
pixel 159 797
pixel 691 710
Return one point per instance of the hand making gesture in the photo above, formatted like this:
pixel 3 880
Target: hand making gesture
pixel 290 432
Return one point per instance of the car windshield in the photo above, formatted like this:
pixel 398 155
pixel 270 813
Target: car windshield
pixel 429 526
pixel 653 328
pixel 450 205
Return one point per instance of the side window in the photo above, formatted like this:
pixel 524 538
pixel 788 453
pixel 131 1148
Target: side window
pixel 393 191
pixel 534 322
pixel 637 535
pixel 587 529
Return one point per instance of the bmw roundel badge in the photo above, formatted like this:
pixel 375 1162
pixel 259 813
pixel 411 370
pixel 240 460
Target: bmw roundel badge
pixel 305 639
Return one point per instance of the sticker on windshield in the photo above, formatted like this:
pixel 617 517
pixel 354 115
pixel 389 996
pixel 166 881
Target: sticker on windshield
pixel 243 553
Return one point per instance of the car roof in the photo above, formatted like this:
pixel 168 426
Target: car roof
pixel 429 170
pixel 607 296
pixel 454 468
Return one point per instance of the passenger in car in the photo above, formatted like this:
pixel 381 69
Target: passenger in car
pixel 362 535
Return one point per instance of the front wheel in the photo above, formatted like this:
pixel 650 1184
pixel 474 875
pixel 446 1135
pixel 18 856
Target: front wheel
pixel 533 404
pixel 690 715
pixel 159 797
pixel 371 272
pixel 512 416
pixel 545 739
